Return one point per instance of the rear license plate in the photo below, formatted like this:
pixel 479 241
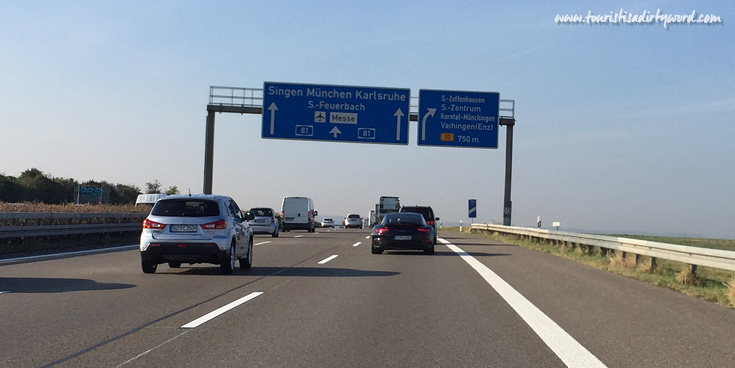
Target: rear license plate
pixel 183 228
pixel 402 237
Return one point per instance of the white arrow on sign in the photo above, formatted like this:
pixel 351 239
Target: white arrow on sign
pixel 273 108
pixel 398 115
pixel 335 131
pixel 423 122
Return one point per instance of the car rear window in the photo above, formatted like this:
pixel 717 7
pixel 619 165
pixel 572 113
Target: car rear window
pixel 353 216
pixel 262 212
pixel 186 208
pixel 403 218
pixel 422 210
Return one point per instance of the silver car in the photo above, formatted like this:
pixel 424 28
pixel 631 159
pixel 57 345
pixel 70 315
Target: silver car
pixel 353 220
pixel 263 221
pixel 196 229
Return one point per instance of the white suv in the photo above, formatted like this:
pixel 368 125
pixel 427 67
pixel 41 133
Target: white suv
pixel 196 229
pixel 353 220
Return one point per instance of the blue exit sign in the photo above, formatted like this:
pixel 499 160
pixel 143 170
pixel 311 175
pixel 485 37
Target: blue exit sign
pixel 458 118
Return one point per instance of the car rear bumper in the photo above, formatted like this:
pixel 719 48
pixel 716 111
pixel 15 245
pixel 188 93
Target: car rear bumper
pixel 184 252
pixel 263 229
pixel 418 242
pixel 297 226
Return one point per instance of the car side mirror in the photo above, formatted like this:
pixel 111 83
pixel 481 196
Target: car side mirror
pixel 316 213
pixel 437 219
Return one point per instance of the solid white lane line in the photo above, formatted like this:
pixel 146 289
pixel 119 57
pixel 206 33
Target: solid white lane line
pixel 325 260
pixel 356 244
pixel 571 352
pixel 261 243
pixel 199 321
pixel 66 254
pixel 298 236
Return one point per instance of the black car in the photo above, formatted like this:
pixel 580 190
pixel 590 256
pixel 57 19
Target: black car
pixel 403 230
pixel 428 215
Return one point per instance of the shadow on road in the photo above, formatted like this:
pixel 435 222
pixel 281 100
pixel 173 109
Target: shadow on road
pixel 442 254
pixel 282 271
pixel 38 285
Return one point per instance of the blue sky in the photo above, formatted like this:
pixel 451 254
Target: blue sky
pixel 620 128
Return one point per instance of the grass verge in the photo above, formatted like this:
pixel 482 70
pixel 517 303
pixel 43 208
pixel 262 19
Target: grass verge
pixel 709 284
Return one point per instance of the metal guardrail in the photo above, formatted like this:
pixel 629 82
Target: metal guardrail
pixel 715 258
pixel 23 231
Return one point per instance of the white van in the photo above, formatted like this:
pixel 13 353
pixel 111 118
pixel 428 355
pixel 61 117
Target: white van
pixel 149 199
pixel 298 213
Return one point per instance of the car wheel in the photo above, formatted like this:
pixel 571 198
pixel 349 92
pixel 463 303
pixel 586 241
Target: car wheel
pixel 148 266
pixel 429 250
pixel 275 233
pixel 227 265
pixel 174 264
pixel 247 262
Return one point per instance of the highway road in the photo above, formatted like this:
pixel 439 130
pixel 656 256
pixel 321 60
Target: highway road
pixel 323 300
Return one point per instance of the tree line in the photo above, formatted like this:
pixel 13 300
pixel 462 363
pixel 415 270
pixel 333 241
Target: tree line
pixel 34 185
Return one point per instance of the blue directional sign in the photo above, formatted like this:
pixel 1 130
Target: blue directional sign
pixel 335 113
pixel 472 208
pixel 458 118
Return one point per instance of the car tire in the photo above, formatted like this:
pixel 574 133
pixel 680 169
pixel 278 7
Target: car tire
pixel 247 262
pixel 227 264
pixel 148 266
pixel 430 250
pixel 275 233
pixel 174 264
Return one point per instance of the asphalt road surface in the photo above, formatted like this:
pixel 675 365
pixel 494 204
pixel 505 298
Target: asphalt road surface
pixel 323 300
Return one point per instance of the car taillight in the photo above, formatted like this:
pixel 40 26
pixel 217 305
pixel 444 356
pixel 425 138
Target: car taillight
pixel 148 224
pixel 219 224
pixel 381 230
pixel 430 223
pixel 422 230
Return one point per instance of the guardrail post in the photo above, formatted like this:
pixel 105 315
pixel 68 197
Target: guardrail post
pixel 654 264
pixel 693 270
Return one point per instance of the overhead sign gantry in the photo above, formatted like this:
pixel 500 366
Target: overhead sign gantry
pixel 368 115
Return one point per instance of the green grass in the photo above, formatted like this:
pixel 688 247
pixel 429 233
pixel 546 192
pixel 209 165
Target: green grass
pixel 710 284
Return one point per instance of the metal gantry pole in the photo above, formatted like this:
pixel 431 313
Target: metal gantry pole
pixel 209 153
pixel 507 203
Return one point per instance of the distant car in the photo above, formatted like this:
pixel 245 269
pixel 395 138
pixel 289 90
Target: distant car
pixel 263 220
pixel 402 231
pixel 327 223
pixel 353 220
pixel 428 214
pixel 196 229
